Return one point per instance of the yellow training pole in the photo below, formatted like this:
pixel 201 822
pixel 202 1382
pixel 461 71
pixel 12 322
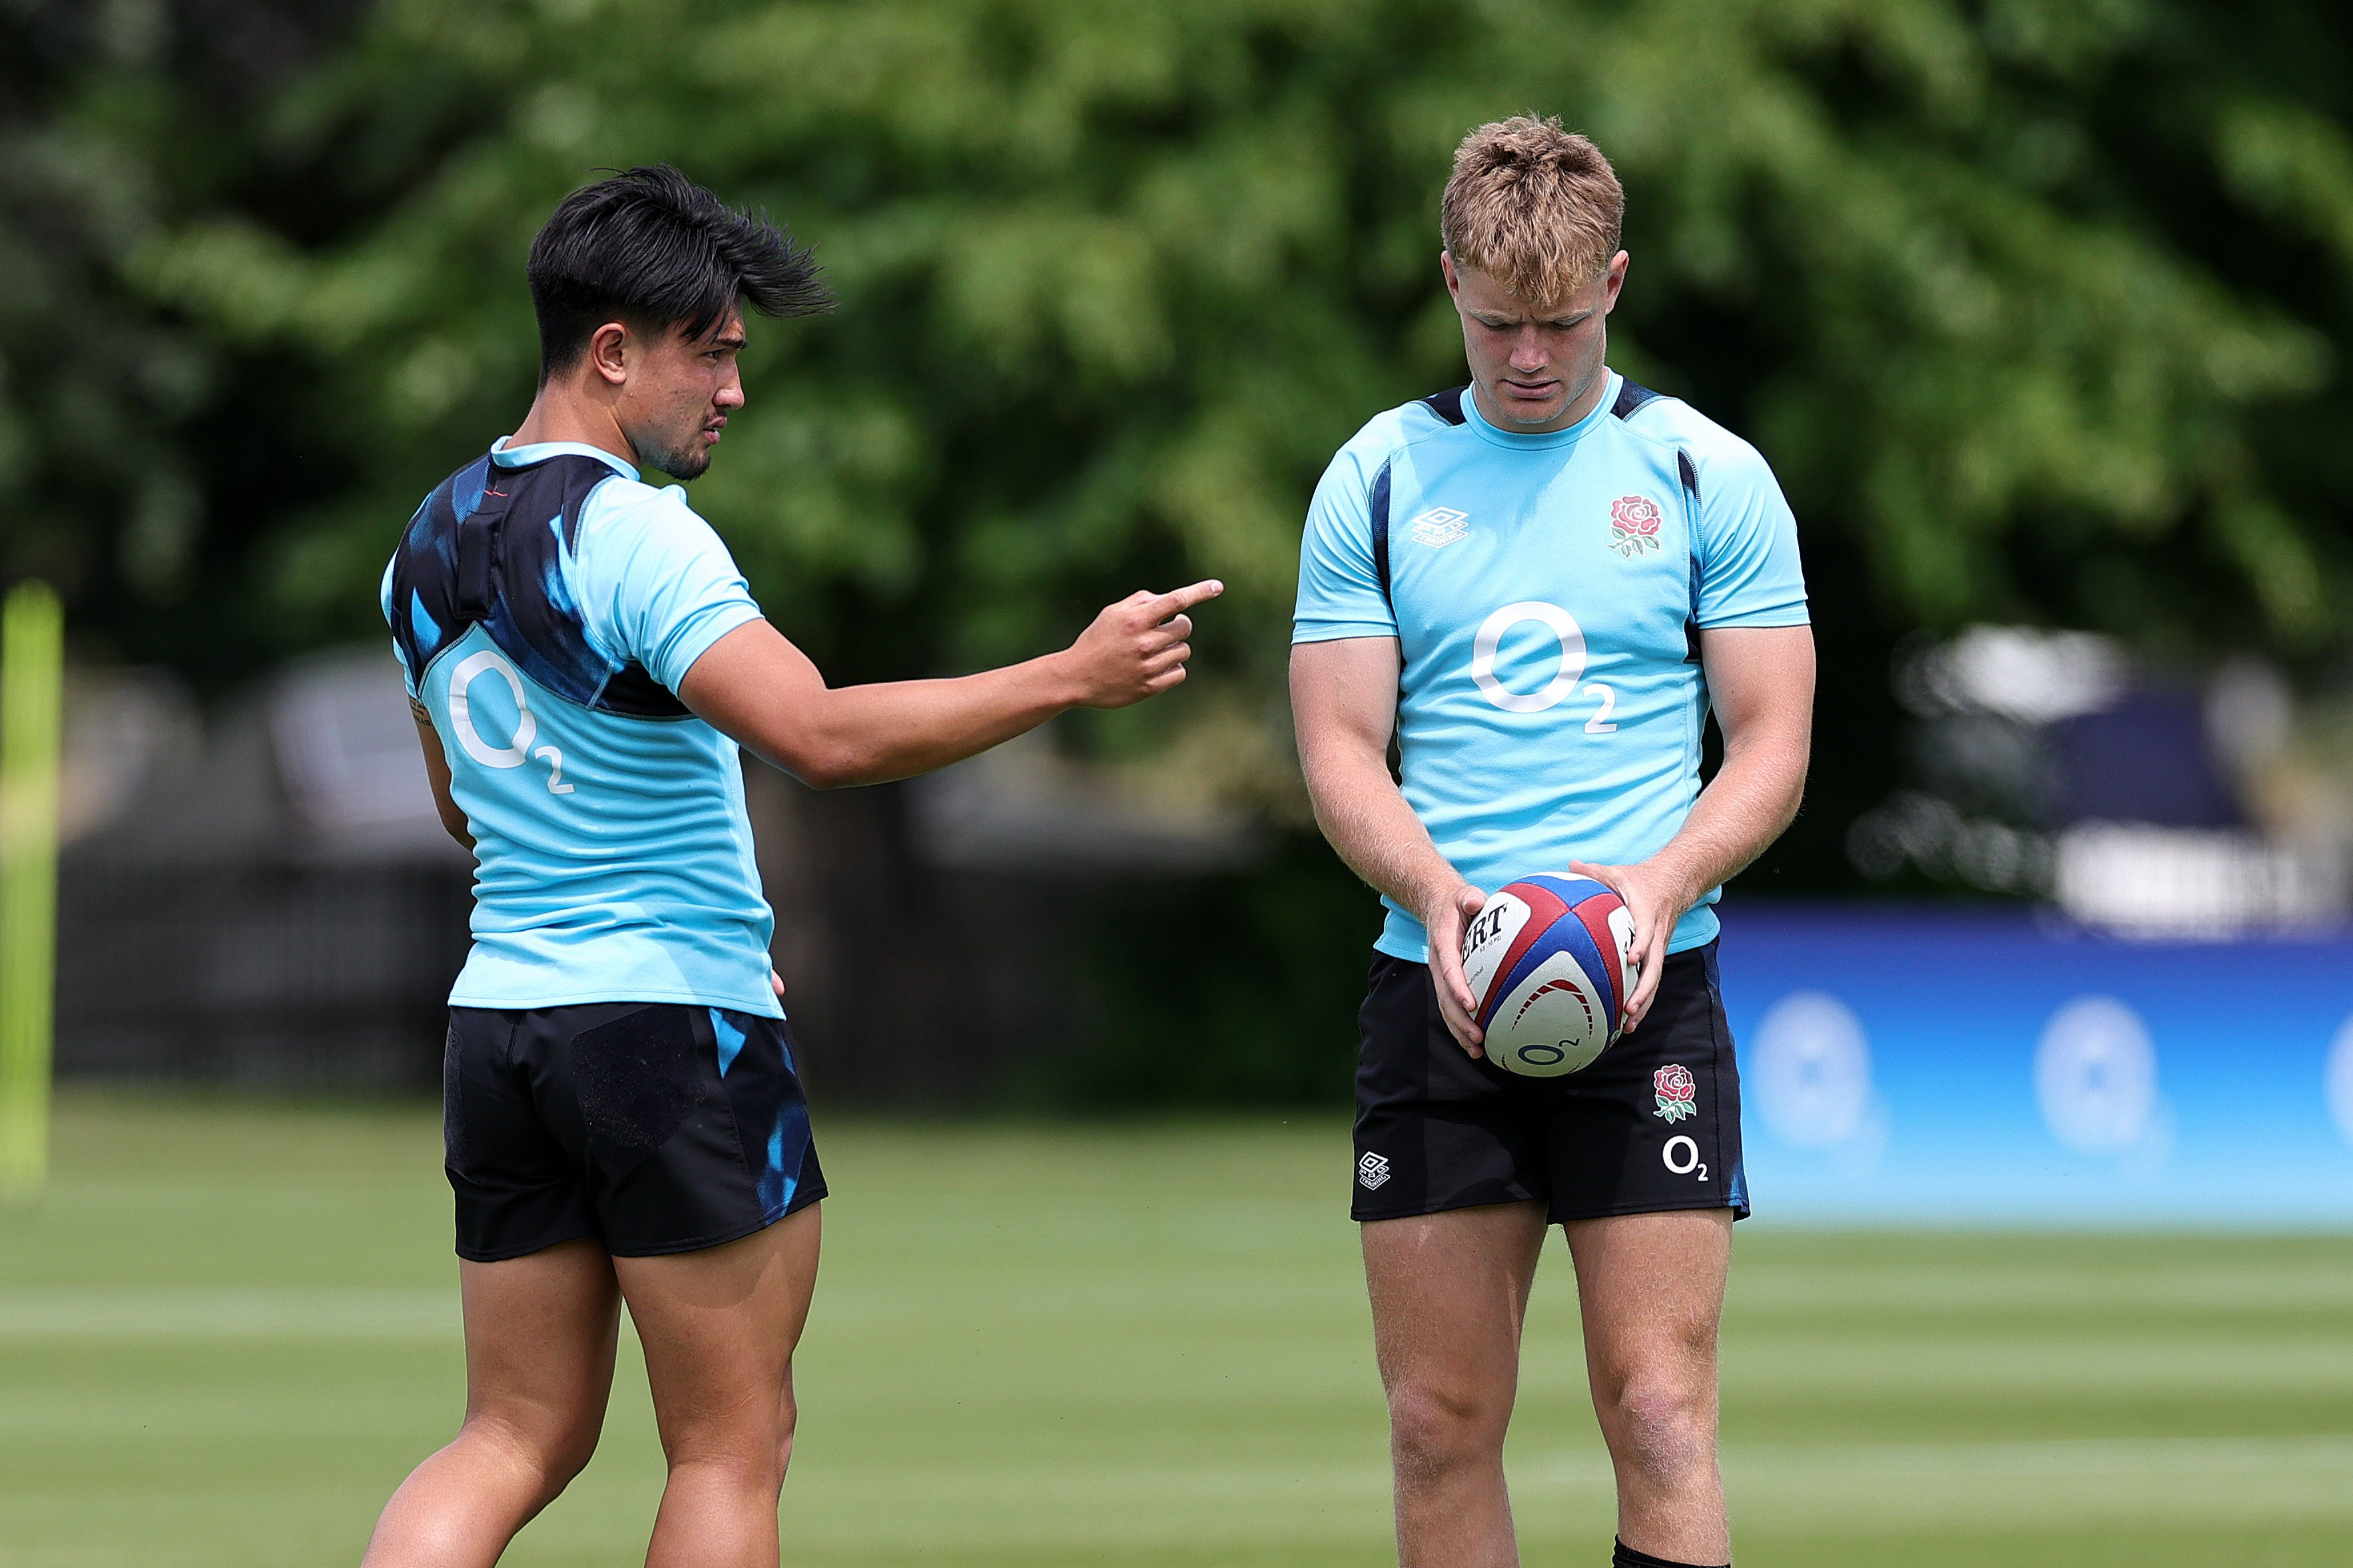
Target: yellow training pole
pixel 32 668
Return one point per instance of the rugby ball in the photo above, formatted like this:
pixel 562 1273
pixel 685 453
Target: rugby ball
pixel 1550 961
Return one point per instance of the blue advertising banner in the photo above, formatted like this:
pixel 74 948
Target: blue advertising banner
pixel 1909 1065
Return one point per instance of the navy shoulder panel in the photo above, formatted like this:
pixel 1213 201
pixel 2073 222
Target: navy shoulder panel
pixel 487 547
pixel 1691 617
pixel 1631 396
pixel 1447 405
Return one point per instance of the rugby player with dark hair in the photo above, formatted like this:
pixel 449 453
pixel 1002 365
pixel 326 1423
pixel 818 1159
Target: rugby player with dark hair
pixel 1540 584
pixel 624 1120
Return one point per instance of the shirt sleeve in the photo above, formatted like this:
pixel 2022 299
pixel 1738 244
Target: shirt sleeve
pixel 661 587
pixel 1339 590
pixel 383 599
pixel 1749 572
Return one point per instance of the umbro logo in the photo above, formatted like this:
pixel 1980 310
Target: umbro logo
pixel 1440 526
pixel 1372 1170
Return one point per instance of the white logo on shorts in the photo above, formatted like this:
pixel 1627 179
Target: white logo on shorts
pixel 1440 527
pixel 1372 1170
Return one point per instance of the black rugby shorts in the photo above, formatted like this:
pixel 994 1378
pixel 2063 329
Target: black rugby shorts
pixel 652 1127
pixel 1653 1124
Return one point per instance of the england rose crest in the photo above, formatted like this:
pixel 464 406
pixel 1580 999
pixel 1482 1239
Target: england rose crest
pixel 1676 1091
pixel 1634 525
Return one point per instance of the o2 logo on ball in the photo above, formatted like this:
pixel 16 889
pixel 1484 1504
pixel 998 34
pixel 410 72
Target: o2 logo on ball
pixel 1548 960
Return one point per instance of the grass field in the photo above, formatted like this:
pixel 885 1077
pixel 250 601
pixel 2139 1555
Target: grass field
pixel 232 1328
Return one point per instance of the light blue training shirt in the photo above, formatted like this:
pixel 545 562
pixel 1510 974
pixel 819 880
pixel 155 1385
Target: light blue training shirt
pixel 544 605
pixel 1547 593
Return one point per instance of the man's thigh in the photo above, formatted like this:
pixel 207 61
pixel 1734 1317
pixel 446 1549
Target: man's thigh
pixel 720 1326
pixel 1448 1294
pixel 1650 1288
pixel 540 1337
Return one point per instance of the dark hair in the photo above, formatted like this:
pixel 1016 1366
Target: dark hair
pixel 654 250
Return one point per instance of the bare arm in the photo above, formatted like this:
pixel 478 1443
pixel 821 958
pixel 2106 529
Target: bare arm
pixel 436 769
pixel 1761 682
pixel 757 687
pixel 1344 706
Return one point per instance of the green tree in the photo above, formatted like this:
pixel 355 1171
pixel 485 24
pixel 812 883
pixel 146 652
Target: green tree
pixel 142 452
pixel 1117 277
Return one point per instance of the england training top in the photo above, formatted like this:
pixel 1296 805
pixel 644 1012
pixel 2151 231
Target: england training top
pixel 544 605
pixel 1547 593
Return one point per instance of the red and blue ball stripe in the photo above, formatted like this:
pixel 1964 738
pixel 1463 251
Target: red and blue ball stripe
pixel 1586 937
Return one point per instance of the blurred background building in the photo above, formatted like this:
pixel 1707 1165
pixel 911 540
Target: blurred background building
pixel 2047 766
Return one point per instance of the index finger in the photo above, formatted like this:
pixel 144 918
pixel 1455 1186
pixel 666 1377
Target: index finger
pixel 1178 599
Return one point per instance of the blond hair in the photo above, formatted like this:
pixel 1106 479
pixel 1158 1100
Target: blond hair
pixel 1534 206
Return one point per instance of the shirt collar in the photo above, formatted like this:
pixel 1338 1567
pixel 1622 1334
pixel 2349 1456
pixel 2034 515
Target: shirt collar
pixel 507 457
pixel 1547 439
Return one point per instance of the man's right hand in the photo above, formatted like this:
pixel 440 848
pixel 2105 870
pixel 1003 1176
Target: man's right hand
pixel 758 689
pixel 1447 916
pixel 1137 648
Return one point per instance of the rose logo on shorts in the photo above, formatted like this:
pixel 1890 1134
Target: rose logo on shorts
pixel 1372 1170
pixel 1675 1091
pixel 1634 525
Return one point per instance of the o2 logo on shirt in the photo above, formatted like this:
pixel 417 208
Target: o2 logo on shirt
pixel 513 755
pixel 1565 679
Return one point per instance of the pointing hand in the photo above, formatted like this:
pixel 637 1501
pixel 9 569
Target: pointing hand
pixel 1137 648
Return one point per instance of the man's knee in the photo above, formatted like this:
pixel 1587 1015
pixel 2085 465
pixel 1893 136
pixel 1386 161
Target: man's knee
pixel 1662 1426
pixel 744 1450
pixel 787 1417
pixel 752 1466
pixel 550 1452
pixel 1434 1429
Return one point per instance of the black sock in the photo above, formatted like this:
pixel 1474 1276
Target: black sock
pixel 1626 1557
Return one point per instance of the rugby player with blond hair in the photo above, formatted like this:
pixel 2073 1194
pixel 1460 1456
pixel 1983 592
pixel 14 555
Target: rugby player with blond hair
pixel 1540 585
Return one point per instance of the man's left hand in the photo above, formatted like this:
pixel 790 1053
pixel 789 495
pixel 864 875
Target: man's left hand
pixel 1656 899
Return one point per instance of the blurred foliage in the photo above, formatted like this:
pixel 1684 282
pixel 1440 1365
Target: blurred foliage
pixel 2038 306
pixel 141 454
